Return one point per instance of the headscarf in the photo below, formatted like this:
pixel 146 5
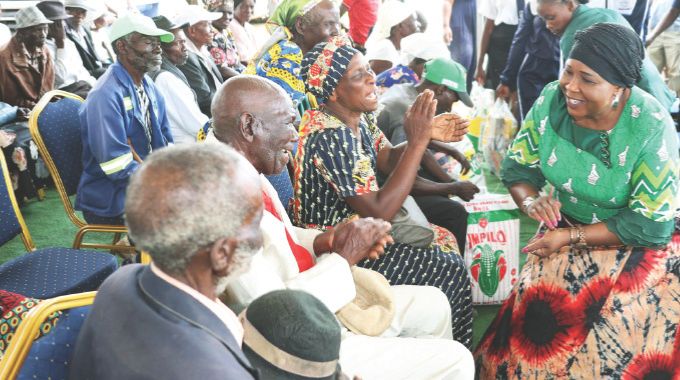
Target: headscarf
pixel 613 51
pixel 288 11
pixel 324 65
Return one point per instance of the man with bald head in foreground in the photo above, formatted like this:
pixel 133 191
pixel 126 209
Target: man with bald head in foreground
pixel 255 116
pixel 196 210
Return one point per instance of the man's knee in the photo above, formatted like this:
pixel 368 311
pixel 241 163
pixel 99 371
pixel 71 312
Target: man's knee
pixel 420 311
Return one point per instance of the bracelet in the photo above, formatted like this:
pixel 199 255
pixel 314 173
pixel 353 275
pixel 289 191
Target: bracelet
pixel 581 238
pixel 573 235
pixel 526 202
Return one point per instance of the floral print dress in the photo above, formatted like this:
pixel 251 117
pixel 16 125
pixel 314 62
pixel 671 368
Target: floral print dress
pixel 331 165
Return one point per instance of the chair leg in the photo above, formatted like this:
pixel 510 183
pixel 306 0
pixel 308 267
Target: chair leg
pixel 116 237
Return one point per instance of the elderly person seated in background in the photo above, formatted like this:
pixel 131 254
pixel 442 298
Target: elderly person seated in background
pixel 396 20
pixel 122 121
pixel 300 24
pixel 70 74
pixel 26 74
pixel 598 298
pixel 200 70
pixel 339 155
pixel 184 115
pixel 243 31
pixel 223 48
pixel 196 210
pixel 77 30
pixel 321 262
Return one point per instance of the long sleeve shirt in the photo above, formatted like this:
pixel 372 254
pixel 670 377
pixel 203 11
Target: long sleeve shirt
pixel 68 66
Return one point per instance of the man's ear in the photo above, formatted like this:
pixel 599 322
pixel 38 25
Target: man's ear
pixel 247 126
pixel 121 46
pixel 571 5
pixel 220 255
pixel 299 26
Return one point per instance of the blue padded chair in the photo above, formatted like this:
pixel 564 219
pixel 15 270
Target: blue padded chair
pixel 55 128
pixel 47 272
pixel 283 186
pixel 49 356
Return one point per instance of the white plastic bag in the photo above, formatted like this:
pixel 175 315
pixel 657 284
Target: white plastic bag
pixel 497 134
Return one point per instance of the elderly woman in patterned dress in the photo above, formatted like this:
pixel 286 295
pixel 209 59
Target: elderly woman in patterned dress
pixel 297 25
pixel 339 153
pixel 598 298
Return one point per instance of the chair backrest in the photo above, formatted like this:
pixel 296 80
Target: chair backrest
pixel 11 221
pixel 50 356
pixel 283 186
pixel 55 128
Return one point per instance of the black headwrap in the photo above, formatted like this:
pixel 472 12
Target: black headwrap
pixel 613 51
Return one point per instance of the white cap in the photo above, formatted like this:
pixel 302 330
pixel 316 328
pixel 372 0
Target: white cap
pixel 193 14
pixel 423 46
pixel 391 13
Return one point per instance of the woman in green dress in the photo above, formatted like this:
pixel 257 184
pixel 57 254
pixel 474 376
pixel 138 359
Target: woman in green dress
pixel 566 17
pixel 599 294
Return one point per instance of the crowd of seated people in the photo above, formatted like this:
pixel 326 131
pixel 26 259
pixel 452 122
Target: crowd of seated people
pixel 187 120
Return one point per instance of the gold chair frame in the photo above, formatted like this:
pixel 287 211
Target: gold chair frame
pixel 19 347
pixel 83 227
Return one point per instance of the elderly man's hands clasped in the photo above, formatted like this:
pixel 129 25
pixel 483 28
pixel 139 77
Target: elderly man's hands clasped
pixel 362 238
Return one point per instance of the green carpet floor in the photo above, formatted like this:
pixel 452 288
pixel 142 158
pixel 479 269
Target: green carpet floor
pixel 50 227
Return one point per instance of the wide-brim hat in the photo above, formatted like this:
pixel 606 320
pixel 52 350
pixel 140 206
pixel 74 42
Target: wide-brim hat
pixel 30 16
pixel 193 14
pixel 372 309
pixel 53 10
pixel 451 74
pixel 167 24
pixel 290 334
pixel 132 22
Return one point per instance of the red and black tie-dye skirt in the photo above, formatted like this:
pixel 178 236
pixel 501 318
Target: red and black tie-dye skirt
pixel 591 314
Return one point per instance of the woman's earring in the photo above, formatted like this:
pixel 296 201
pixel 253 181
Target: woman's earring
pixel 617 99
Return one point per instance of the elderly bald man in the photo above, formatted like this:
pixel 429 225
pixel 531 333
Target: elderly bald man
pixel 196 210
pixel 255 116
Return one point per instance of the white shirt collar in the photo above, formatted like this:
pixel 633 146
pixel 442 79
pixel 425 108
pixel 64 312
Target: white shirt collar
pixel 225 314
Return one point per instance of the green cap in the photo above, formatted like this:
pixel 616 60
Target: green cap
pixel 132 22
pixel 449 73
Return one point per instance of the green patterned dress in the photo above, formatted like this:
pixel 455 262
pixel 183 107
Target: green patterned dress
pixel 610 312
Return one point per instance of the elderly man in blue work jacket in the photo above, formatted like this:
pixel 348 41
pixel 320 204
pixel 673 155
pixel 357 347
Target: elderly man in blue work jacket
pixel 123 119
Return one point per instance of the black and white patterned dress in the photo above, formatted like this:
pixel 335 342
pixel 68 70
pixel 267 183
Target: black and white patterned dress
pixel 330 167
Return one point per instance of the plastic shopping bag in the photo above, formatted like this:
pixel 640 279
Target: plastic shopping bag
pixel 497 135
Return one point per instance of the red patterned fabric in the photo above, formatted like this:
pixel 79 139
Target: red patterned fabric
pixel 13 309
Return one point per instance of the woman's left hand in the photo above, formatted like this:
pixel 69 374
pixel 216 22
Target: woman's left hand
pixel 547 244
pixel 449 127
